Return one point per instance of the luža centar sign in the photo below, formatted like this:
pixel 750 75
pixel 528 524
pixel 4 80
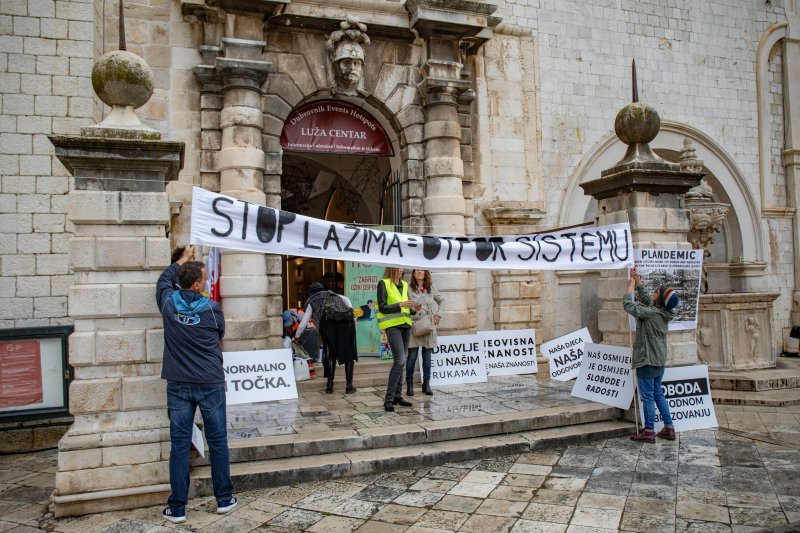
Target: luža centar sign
pixel 226 222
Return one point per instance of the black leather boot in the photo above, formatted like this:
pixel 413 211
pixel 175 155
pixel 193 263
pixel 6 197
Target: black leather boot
pixel 331 374
pixel 348 372
pixel 426 387
pixel 410 388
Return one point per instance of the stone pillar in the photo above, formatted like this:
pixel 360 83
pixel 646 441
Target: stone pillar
pixel 645 191
pixel 115 454
pixel 791 153
pixel 444 203
pixel 448 31
pixel 250 283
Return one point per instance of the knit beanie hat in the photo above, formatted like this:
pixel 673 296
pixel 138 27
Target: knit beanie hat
pixel 315 288
pixel 668 298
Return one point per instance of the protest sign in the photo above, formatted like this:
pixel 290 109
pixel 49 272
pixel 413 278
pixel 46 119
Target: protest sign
pixel 458 359
pixel 509 352
pixel 679 269
pixel 565 354
pixel 198 441
pixel 605 376
pixel 259 376
pixel 688 395
pixel 231 223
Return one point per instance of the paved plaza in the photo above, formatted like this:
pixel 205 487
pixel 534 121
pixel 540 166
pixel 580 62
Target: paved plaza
pixel 743 477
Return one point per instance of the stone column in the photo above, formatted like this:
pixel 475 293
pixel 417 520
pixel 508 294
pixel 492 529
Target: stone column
pixel 791 153
pixel 444 204
pixel 250 283
pixel 115 454
pixel 645 191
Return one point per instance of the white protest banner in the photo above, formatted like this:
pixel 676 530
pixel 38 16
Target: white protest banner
pixel 565 354
pixel 458 359
pixel 679 269
pixel 605 376
pixel 509 352
pixel 197 440
pixel 226 222
pixel 259 376
pixel 688 395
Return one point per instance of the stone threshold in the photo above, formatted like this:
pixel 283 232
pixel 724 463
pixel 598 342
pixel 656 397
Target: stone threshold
pixel 786 375
pixel 768 398
pixel 391 436
pixel 271 473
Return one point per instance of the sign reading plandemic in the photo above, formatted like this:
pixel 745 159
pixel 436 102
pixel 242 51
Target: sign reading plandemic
pixel 231 223
pixel 458 359
pixel 509 352
pixel 679 269
pixel 606 376
pixel 258 376
pixel 565 354
pixel 688 396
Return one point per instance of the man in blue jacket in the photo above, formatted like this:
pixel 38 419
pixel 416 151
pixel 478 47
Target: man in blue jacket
pixel 193 328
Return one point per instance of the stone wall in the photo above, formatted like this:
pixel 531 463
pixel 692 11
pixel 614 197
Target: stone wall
pixel 46 50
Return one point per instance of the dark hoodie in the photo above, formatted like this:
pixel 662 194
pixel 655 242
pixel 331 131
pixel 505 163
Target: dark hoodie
pixel 193 328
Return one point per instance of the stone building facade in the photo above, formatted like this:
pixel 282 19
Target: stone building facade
pixel 497 113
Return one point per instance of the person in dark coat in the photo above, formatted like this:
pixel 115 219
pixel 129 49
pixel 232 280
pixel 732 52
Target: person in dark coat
pixel 339 336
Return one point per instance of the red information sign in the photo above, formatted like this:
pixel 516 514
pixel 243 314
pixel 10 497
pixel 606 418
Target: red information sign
pixel 20 373
pixel 334 126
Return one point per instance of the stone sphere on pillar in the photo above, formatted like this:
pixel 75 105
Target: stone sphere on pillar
pixel 637 123
pixel 121 78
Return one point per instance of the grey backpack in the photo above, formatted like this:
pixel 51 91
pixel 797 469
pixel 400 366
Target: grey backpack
pixel 335 309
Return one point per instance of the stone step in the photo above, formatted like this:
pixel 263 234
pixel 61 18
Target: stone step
pixel 270 473
pixel 427 432
pixel 768 398
pixel 786 375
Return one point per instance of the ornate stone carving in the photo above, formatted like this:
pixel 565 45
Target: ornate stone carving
pixel 705 215
pixel 346 53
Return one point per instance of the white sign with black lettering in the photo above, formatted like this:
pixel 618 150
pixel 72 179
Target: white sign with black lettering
pixel 688 395
pixel 458 359
pixel 606 376
pixel 565 354
pixel 509 352
pixel 259 376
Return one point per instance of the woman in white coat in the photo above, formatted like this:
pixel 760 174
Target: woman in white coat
pixel 422 289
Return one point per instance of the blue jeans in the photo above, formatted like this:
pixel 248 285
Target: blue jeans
pixel 412 361
pixel 398 338
pixel 652 397
pixel 182 402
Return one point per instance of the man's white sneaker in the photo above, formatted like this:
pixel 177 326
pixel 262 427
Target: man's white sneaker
pixel 176 516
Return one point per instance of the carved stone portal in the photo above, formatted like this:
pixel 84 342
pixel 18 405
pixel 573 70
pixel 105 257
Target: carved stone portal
pixel 346 53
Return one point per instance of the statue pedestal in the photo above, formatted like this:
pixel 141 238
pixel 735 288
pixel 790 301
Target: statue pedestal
pixel 734 331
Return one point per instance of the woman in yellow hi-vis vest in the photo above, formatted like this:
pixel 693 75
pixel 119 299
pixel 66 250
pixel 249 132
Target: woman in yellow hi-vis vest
pixel 394 317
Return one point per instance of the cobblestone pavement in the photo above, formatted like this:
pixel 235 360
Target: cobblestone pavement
pixel 704 481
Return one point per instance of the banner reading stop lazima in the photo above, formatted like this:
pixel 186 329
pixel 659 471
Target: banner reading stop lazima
pixel 566 354
pixel 688 395
pixel 606 376
pixel 509 352
pixel 258 376
pixel 458 359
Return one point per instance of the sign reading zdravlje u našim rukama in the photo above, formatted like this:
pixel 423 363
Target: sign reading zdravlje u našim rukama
pixel 259 376
pixel 605 376
pixel 509 352
pixel 688 396
pixel 227 222
pixel 565 354
pixel 458 359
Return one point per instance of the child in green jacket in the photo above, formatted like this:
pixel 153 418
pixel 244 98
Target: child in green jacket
pixel 652 314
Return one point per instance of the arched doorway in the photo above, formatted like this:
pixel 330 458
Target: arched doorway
pixel 338 164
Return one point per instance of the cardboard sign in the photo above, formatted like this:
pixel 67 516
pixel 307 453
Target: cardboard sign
pixel 688 395
pixel 680 269
pixel 458 359
pixel 606 376
pixel 259 376
pixel 566 353
pixel 198 441
pixel 509 352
